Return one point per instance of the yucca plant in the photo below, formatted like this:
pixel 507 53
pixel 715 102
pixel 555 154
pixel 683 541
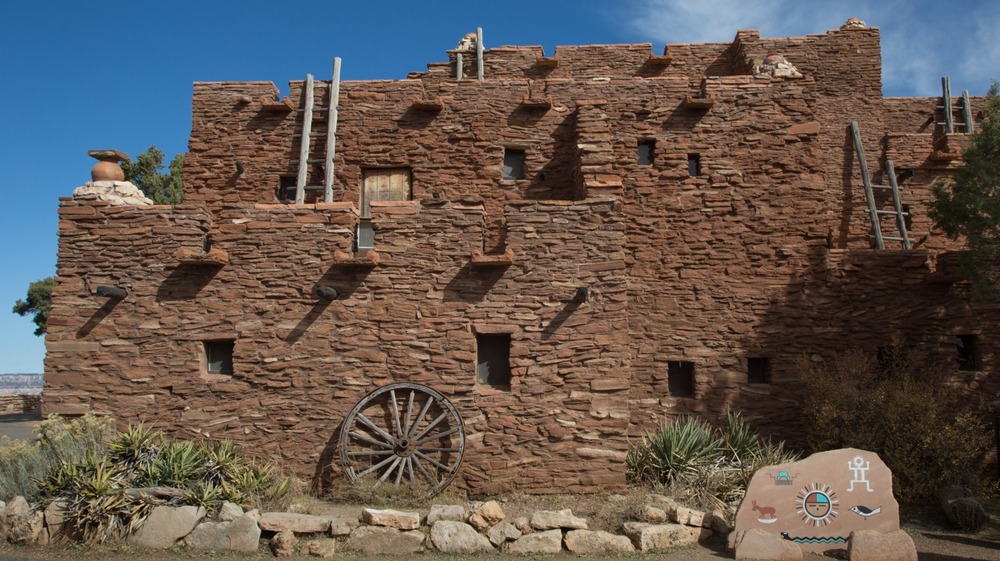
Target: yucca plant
pixel 179 463
pixel 136 447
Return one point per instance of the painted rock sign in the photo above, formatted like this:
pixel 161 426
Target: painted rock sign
pixel 817 502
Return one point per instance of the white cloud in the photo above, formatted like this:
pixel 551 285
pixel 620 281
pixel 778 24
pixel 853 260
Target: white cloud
pixel 922 40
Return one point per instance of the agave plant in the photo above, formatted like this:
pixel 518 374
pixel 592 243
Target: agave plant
pixel 136 447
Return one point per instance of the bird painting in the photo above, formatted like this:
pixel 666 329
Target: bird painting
pixel 865 512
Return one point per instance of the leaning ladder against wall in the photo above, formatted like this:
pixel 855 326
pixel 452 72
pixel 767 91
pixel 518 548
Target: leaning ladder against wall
pixel 873 211
pixel 331 135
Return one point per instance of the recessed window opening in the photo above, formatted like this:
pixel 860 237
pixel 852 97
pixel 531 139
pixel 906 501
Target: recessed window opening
pixel 680 378
pixel 694 165
pixel 968 352
pixel 646 151
pixel 219 357
pixel 286 188
pixel 493 359
pixel 759 370
pixel 513 163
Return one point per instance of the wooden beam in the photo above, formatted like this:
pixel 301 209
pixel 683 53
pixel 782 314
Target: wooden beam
pixel 459 69
pixel 949 125
pixel 479 53
pixel 331 131
pixel 967 113
pixel 300 183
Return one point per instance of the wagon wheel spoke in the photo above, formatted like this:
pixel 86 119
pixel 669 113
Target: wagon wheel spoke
pixel 403 433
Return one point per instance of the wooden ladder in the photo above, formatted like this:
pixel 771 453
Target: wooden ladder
pixel 949 111
pixel 306 138
pixel 874 213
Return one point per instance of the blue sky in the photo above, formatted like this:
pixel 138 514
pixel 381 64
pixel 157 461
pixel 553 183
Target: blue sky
pixel 81 76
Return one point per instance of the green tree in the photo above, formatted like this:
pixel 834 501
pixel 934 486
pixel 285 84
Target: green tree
pixel 969 204
pixel 39 302
pixel 145 172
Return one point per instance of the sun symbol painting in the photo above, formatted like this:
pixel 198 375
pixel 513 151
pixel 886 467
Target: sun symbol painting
pixel 817 505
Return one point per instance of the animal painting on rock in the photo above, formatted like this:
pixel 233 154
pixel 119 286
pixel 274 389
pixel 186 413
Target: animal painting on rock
pixel 817 502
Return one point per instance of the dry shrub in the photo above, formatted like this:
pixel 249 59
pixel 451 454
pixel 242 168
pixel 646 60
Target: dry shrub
pixel 921 426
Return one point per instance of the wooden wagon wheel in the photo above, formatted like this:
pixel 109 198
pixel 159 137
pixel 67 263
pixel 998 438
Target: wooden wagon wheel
pixel 403 433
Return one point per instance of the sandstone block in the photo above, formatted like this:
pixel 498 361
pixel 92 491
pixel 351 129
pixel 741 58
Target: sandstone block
pixel 563 519
pixel 758 544
pixel 166 525
pixel 455 513
pixel 502 532
pixel 380 540
pixel 449 536
pixel 651 514
pixel 229 511
pixel 241 534
pixel 391 518
pixel 18 515
pixel 321 548
pixel 283 543
pixel 297 523
pixel 342 525
pixel 589 541
pixel 523 524
pixel 541 542
pixel 486 515
pixel 869 545
pixel 658 537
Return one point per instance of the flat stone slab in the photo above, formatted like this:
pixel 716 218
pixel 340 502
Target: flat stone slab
pixel 758 544
pixel 541 542
pixel 817 502
pixel 868 545
pixel 378 540
pixel 552 519
pixel 455 513
pixel 391 518
pixel 241 534
pixel 297 523
pixel 589 542
pixel 658 537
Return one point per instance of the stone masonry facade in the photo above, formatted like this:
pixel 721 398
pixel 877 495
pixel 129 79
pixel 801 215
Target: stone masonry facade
pixel 687 228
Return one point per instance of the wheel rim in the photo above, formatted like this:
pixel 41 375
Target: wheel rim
pixel 403 434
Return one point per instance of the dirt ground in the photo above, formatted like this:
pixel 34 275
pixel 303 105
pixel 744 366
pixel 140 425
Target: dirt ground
pixel 929 530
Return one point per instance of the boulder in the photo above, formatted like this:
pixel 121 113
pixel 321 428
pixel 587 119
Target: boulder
pixel 297 523
pixel 321 548
pixel 523 524
pixel 658 537
pixel 552 519
pixel 229 511
pixel 540 542
pixel 962 508
pixel 342 525
pixel 449 536
pixel 454 513
pixel 18 515
pixel 588 542
pixel 758 544
pixel 486 515
pixel 391 519
pixel 55 520
pixel 817 502
pixel 503 532
pixel 3 522
pixel 241 534
pixel 166 525
pixel 688 516
pixel 283 543
pixel 379 540
pixel 651 514
pixel 869 545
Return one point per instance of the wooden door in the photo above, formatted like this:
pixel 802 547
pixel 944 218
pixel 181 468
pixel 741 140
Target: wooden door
pixel 384 184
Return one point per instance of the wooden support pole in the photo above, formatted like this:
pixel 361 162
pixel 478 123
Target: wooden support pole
pixel 300 183
pixel 479 53
pixel 967 113
pixel 949 124
pixel 331 131
pixel 900 218
pixel 866 179
pixel 459 70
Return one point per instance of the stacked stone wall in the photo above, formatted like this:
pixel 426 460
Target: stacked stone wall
pixel 747 235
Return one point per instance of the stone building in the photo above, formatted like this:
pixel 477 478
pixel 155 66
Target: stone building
pixel 571 248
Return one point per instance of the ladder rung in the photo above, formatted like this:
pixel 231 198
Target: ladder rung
pixel 317 161
pixel 892 212
pixel 895 239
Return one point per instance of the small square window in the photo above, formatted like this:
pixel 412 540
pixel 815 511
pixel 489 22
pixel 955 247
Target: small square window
pixel 219 357
pixel 287 187
pixel 493 359
pixel 646 152
pixel 680 378
pixel 968 352
pixel 513 163
pixel 694 165
pixel 758 370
